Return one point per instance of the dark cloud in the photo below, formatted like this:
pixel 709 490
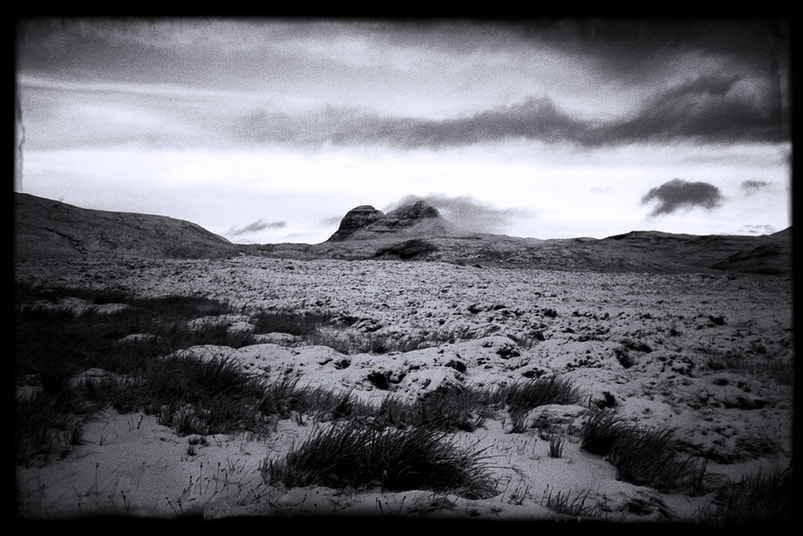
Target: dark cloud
pixel 467 212
pixel 634 50
pixel 741 96
pixel 678 193
pixel 708 109
pixel 536 119
pixel 258 225
pixel 711 108
pixel 751 186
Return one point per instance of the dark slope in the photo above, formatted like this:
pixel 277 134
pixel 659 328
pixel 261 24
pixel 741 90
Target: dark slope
pixel 46 229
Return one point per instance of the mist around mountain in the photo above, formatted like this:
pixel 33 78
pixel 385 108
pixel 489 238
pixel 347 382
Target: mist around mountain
pixel 416 232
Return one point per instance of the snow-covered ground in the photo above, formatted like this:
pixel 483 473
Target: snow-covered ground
pixel 707 355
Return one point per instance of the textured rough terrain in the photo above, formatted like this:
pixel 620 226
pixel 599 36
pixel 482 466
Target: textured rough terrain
pixel 707 355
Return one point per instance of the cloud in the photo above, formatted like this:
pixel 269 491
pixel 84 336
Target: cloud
pixel 750 186
pixel 708 109
pixel 258 225
pixel 678 193
pixel 467 212
pixel 534 119
pixel 757 229
pixel 713 108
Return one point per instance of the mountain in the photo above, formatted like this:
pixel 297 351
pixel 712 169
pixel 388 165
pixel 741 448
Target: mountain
pixel 45 229
pixel 414 219
pixel 414 232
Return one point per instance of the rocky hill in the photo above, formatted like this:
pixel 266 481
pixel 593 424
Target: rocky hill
pixel 50 229
pixel 415 219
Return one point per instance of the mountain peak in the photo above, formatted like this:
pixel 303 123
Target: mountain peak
pixel 354 220
pixel 365 221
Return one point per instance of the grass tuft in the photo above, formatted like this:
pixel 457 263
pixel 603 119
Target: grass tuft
pixel 762 497
pixel 351 454
pixel 449 410
pixel 601 430
pixel 565 504
pixel 643 457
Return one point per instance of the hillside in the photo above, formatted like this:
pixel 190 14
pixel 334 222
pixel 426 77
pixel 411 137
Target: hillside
pixel 51 229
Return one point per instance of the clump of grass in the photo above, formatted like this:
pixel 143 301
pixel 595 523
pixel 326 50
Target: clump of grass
pixel 191 394
pixel 350 454
pixel 47 425
pixel 281 398
pixel 649 458
pixel 565 504
pixel 642 456
pixel 450 410
pixel 521 397
pixel 601 430
pixel 762 497
pixel 524 396
pixel 328 405
pixel 86 339
pixel 556 442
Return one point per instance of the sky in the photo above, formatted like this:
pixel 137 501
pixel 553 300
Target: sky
pixel 268 130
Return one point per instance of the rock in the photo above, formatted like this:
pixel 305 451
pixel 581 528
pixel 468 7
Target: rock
pixel 551 416
pixel 421 382
pixel 506 350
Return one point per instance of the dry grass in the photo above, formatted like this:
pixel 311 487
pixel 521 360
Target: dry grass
pixel 762 497
pixel 351 454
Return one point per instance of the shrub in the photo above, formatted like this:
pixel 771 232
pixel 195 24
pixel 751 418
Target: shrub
pixel 349 454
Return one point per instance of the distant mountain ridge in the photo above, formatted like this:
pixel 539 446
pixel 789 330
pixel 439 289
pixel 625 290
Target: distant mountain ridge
pixel 415 232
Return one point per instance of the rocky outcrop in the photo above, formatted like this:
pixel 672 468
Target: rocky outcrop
pixel 354 220
pixel 366 222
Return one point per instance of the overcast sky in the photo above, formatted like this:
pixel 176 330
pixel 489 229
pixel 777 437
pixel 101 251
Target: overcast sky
pixel 270 130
